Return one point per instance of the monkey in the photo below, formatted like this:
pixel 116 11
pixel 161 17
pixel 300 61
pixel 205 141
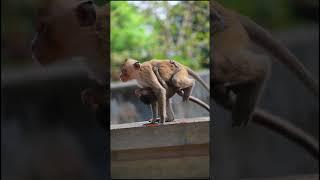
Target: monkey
pixel 145 76
pixel 74 28
pixel 67 29
pixel 240 72
pixel 147 96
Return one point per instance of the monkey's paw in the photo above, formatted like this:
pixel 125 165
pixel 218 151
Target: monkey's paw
pixel 157 120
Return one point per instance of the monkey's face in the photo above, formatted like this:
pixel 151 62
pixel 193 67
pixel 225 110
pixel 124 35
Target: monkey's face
pixel 129 70
pixel 64 29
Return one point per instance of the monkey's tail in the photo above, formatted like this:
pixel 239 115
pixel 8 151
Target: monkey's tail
pixel 196 100
pixel 198 78
pixel 261 36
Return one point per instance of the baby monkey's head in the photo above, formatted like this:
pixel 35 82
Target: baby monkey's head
pixel 129 69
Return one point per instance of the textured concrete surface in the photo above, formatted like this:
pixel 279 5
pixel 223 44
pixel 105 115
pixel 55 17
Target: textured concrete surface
pixel 177 149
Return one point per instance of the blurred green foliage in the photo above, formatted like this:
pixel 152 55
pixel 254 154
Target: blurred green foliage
pixel 141 34
pixel 160 30
pixel 269 13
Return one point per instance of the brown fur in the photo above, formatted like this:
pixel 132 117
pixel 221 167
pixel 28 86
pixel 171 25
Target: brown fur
pixel 73 28
pixel 145 74
pixel 147 96
pixel 239 71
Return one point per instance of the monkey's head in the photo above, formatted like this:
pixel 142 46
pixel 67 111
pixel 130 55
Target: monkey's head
pixel 64 29
pixel 129 70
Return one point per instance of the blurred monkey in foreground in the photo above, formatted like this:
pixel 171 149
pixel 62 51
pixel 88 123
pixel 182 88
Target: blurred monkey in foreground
pixel 239 71
pixel 75 28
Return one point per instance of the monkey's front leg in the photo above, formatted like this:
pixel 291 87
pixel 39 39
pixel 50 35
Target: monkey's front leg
pixel 161 96
pixel 170 114
pixel 248 96
pixel 154 110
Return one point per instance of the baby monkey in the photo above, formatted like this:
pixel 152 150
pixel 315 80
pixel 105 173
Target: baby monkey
pixel 146 77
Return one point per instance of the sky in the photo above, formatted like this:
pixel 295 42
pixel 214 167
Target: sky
pixel 159 11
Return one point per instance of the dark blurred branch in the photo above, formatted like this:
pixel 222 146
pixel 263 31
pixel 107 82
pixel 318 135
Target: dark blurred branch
pixel 278 125
pixel 288 130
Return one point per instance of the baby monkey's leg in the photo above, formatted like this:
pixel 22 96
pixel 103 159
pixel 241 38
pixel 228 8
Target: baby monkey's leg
pixel 182 81
pixel 156 72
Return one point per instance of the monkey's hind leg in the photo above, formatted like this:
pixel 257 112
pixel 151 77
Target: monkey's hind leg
pixel 187 92
pixel 170 114
pixel 247 96
pixel 182 81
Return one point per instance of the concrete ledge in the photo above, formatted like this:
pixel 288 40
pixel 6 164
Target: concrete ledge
pixel 180 132
pixel 178 149
pixel 295 177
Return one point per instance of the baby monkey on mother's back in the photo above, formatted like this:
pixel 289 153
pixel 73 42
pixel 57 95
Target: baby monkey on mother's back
pixel 147 78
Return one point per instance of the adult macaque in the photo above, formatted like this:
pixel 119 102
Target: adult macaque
pixel 239 71
pixel 146 77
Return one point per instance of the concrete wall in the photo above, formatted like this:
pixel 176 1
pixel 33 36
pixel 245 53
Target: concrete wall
pixel 177 149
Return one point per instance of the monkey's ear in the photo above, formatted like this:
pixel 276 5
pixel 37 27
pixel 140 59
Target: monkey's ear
pixel 137 65
pixel 86 14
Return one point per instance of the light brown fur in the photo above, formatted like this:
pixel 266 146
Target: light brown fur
pixel 147 96
pixel 146 77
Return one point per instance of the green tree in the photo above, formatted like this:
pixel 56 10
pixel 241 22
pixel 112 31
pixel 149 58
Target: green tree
pixel 156 30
